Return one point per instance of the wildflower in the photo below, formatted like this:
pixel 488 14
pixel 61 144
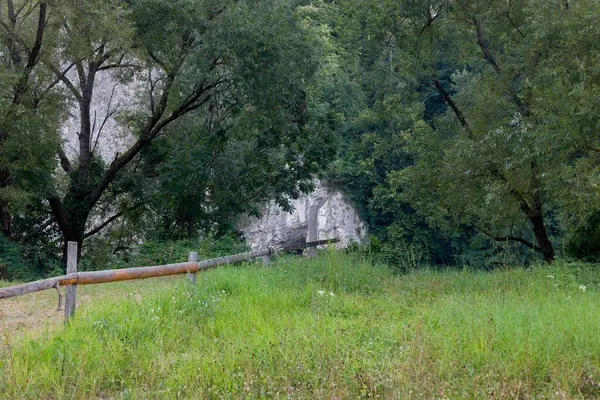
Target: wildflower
pixel 551 276
pixel 583 288
pixel 321 292
pixel 568 297
pixel 331 294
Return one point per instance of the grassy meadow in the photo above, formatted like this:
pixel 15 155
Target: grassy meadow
pixel 333 327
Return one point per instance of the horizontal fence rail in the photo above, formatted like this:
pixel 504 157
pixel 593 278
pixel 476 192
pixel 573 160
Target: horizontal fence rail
pixel 124 274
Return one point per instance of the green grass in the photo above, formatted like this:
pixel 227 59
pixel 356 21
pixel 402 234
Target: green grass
pixel 328 328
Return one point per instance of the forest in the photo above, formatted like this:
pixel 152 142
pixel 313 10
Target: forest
pixel 465 132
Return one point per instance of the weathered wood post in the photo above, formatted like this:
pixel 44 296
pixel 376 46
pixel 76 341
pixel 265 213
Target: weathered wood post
pixel 313 225
pixel 192 257
pixel 266 259
pixel 71 290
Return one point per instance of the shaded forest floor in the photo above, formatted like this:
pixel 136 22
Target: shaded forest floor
pixel 334 327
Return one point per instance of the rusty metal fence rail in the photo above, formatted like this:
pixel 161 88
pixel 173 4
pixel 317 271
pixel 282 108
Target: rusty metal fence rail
pixel 191 267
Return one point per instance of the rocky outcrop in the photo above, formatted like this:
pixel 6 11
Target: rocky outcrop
pixel 111 97
pixel 335 218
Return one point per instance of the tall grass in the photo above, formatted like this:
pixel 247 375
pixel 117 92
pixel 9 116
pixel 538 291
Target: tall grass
pixel 330 327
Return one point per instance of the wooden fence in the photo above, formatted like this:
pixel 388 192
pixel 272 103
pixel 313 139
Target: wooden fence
pixel 191 267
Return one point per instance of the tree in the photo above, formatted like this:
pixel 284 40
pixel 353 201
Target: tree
pixel 185 56
pixel 389 97
pixel 504 145
pixel 31 106
pixel 506 158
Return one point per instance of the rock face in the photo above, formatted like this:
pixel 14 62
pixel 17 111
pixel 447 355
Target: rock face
pixel 111 97
pixel 335 218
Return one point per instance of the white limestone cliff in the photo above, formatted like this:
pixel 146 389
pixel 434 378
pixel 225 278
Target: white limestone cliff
pixel 336 218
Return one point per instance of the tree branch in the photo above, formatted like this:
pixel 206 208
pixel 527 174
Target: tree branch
pixel 483 45
pixel 38 230
pixel 119 65
pixel 39 38
pixel 62 76
pixel 32 60
pixel 514 24
pixel 153 127
pixel 57 80
pixel 431 17
pixel 158 61
pixel 60 214
pixel 437 85
pixel 111 219
pixel 143 140
pixel 511 238
pixel 64 160
pixel 16 58
pixel 519 240
pixel 109 114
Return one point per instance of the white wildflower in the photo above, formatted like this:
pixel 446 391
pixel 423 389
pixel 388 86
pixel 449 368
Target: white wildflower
pixel 568 298
pixel 321 292
pixel 551 276
pixel 583 288
pixel 331 294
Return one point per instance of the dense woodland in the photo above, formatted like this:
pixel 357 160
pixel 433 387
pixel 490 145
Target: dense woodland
pixel 466 132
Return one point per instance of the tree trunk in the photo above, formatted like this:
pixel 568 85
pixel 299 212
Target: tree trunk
pixel 70 223
pixel 535 214
pixel 541 235
pixel 6 220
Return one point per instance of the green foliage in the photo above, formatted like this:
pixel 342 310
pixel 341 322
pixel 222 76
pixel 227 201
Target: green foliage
pixel 177 251
pixel 11 264
pixel 486 103
pixel 374 145
pixel 31 109
pixel 24 263
pixel 584 242
pixel 225 109
pixel 157 252
pixel 455 127
pixel 263 137
pixel 321 328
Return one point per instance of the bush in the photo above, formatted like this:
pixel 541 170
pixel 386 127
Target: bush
pixel 584 243
pixel 12 266
pixel 401 256
pixel 99 255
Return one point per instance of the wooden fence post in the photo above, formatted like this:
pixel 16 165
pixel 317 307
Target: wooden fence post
pixel 71 290
pixel 192 257
pixel 313 225
pixel 266 260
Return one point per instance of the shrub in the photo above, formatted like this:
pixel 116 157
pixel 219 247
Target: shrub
pixel 12 266
pixel 99 255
